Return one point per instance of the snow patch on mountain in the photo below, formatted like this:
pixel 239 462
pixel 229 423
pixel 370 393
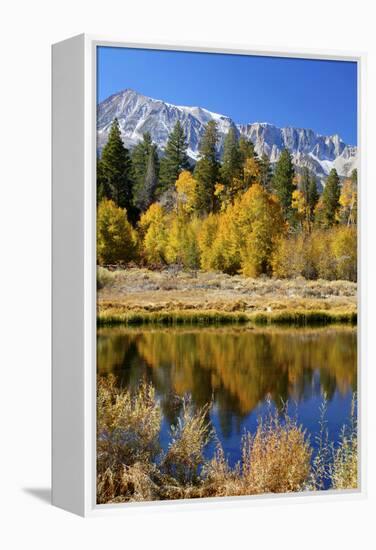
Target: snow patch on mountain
pixel 138 114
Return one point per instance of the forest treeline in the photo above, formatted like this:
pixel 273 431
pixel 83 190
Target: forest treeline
pixel 236 214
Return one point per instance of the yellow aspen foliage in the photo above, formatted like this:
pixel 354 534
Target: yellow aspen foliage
pixel 154 230
pixel 243 236
pixel 218 189
pixel 325 254
pixel 251 172
pixel 294 256
pixel 348 202
pixel 182 244
pixel 261 223
pixel 116 239
pixel 319 213
pixel 344 250
pixel 225 253
pixel 205 237
pixel 186 187
pixel 299 204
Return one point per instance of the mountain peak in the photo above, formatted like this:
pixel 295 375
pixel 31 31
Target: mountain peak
pixel 138 114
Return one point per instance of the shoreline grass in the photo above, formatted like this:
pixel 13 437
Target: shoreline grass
pixel 118 316
pixel 277 458
pixel 140 296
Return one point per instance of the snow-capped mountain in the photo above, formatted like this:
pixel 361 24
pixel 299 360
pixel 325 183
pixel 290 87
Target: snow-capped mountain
pixel 138 114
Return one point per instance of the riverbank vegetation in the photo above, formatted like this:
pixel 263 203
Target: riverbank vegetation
pixel 277 458
pixel 173 296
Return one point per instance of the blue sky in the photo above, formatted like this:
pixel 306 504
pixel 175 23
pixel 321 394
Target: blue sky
pixel 321 95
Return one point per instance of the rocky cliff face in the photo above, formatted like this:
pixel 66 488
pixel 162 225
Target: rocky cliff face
pixel 138 114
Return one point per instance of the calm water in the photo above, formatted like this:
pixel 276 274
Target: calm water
pixel 238 370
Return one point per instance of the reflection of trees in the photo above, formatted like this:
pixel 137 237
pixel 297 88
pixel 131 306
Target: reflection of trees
pixel 237 367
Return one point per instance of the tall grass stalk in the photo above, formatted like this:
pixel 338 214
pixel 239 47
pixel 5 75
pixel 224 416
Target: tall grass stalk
pixel 131 465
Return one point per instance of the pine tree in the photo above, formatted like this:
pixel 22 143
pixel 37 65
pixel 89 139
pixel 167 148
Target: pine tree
pixel 282 182
pixel 330 198
pixel 102 187
pixel 175 158
pixel 247 149
pixel 146 194
pixel 266 173
pixel 313 198
pixel 310 196
pixel 140 158
pixel 304 183
pixel 231 160
pixel 114 170
pixel 207 168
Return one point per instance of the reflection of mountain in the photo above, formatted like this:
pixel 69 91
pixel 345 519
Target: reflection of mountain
pixel 237 368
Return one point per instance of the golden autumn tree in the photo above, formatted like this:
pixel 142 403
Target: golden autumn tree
pixel 186 188
pixel 348 200
pixel 182 246
pixel 243 236
pixel 206 236
pixel 116 239
pixel 154 231
pixel 344 250
pixel 300 206
pixel 182 241
pixel 260 221
pixel 249 175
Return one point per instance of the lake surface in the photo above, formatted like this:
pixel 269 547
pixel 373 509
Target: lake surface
pixel 239 370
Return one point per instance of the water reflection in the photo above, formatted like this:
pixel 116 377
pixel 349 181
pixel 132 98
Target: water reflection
pixel 235 368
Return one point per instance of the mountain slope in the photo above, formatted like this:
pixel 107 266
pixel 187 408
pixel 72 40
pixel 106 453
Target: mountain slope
pixel 138 114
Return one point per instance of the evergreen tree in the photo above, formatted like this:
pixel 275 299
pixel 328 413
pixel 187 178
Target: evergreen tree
pixel 313 198
pixel 282 182
pixel 114 170
pixel 207 169
pixel 232 159
pixel 304 183
pixel 247 149
pixel 330 198
pixel 175 158
pixel 266 173
pixel 308 188
pixel 146 194
pixel 102 187
pixel 140 158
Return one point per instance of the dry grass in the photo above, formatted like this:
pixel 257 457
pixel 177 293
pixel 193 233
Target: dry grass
pixel 344 472
pixel 134 296
pixel 110 315
pixel 128 429
pixel 276 459
pixel 185 455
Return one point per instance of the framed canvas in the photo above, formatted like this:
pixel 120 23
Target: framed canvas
pixel 208 275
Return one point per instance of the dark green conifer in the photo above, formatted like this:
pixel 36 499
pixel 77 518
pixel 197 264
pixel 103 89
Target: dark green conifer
pixel 140 159
pixel 232 162
pixel 330 198
pixel 283 183
pixel 175 158
pixel 114 170
pixel 207 169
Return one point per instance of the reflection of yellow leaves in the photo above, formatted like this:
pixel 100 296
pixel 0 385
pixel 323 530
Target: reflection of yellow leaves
pixel 243 364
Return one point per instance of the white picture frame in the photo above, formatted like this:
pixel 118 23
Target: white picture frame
pixel 74 276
